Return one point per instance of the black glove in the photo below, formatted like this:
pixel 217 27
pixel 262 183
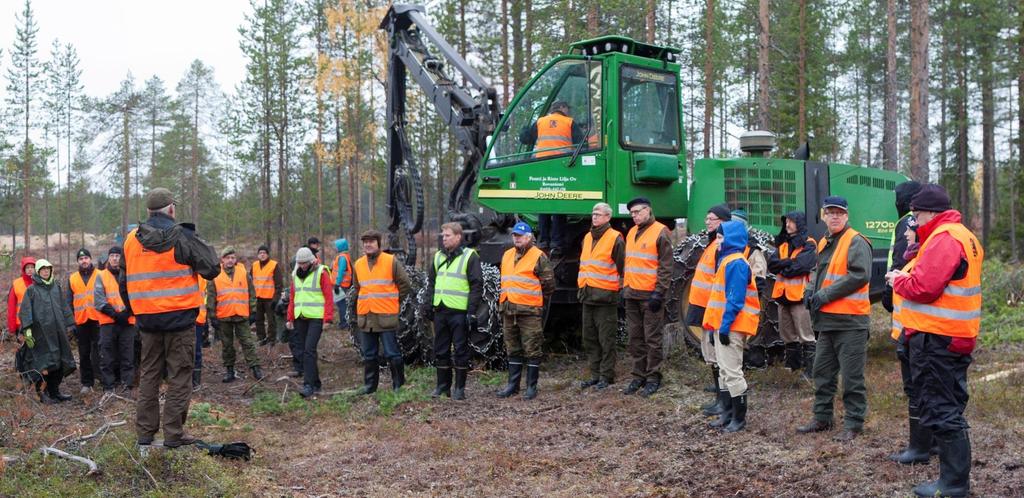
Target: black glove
pixel 815 302
pixel 723 338
pixel 654 303
pixel 121 318
pixel 281 307
pixel 337 289
pixel 471 322
pixel 252 319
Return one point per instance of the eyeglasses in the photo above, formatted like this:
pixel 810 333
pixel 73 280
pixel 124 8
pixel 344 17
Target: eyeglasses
pixel 708 219
pixel 638 210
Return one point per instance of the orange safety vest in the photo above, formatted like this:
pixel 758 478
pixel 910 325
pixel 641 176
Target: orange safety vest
pixel 201 318
pixel 597 268
pixel 346 279
pixel 83 299
pixel 897 306
pixel 263 279
pixel 641 272
pixel 156 282
pixel 793 287
pixel 113 295
pixel 519 283
pixel 749 316
pixel 858 303
pixel 378 292
pixel 704 276
pixel 957 312
pixel 232 293
pixel 554 134
pixel 19 287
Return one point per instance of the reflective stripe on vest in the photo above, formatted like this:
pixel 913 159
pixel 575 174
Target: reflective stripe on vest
pixel 641 272
pixel 597 268
pixel 232 293
pixel 263 279
pixel 19 287
pixel 519 283
pixel 378 292
pixel 156 282
pixel 957 312
pixel 858 303
pixel 309 297
pixel 792 287
pixel 83 298
pixel 112 293
pixel 451 286
pixel 704 276
pixel 346 279
pixel 554 135
pixel 747 319
pixel 201 318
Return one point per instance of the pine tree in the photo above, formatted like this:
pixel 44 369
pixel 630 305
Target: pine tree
pixel 23 84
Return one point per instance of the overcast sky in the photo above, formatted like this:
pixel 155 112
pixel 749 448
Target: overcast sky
pixel 145 37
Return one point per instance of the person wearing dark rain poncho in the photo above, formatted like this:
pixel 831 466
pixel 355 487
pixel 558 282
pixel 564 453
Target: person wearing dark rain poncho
pixel 731 318
pixel 46 319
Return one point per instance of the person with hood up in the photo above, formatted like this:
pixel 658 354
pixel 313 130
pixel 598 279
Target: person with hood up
pixel 17 293
pixel 79 295
pixel 342 271
pixel 792 265
pixel 46 320
pixel 938 304
pixel 898 244
pixel 731 318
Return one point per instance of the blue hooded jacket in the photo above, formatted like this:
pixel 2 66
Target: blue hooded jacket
pixel 342 246
pixel 737 274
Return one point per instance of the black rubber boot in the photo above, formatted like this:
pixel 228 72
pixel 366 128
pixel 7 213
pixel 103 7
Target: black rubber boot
pixel 444 383
pixel 229 376
pixel 739 414
pixel 919 448
pixel 532 375
pixel 716 407
pixel 397 373
pixel 794 356
pixel 954 468
pixel 808 360
pixel 515 375
pixel 713 386
pixel 726 416
pixel 257 372
pixel 197 378
pixel 459 393
pixel 371 376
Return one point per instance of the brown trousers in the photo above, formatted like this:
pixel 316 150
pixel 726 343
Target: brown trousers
pixel 175 352
pixel 645 331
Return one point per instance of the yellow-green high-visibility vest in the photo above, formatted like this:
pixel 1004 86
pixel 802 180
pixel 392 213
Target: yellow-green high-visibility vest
pixel 451 286
pixel 309 298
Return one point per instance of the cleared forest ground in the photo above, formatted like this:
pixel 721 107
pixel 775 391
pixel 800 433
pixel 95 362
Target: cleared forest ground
pixel 565 443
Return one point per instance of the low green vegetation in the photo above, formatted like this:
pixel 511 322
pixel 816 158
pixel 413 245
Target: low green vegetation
pixel 1002 317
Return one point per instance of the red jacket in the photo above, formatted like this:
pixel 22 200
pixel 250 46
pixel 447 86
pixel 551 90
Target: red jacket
pixel 934 269
pixel 12 300
pixel 328 290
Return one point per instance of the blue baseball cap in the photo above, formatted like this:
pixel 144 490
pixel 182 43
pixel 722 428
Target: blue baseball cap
pixel 835 201
pixel 522 228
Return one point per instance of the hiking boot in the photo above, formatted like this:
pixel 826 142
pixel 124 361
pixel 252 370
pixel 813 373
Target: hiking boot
pixel 634 386
pixel 603 384
pixel 532 375
pixel 515 376
pixel 444 383
pixel 59 396
pixel 589 383
pixel 229 376
pixel 650 388
pixel 846 435
pixel 739 414
pixel 45 399
pixel 814 426
pixel 307 391
pixel 85 390
pixel 954 468
pixel 459 393
pixel 257 372
pixel 185 440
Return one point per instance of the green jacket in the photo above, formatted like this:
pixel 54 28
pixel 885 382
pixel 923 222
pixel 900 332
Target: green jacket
pixel 858 275
pixel 46 312
pixel 374 322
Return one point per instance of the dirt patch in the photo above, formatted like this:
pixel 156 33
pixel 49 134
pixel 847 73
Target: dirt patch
pixel 564 443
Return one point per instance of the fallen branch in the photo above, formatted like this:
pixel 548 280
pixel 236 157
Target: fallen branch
pixel 93 468
pixel 254 384
pixel 102 429
pixel 1000 375
pixel 285 393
